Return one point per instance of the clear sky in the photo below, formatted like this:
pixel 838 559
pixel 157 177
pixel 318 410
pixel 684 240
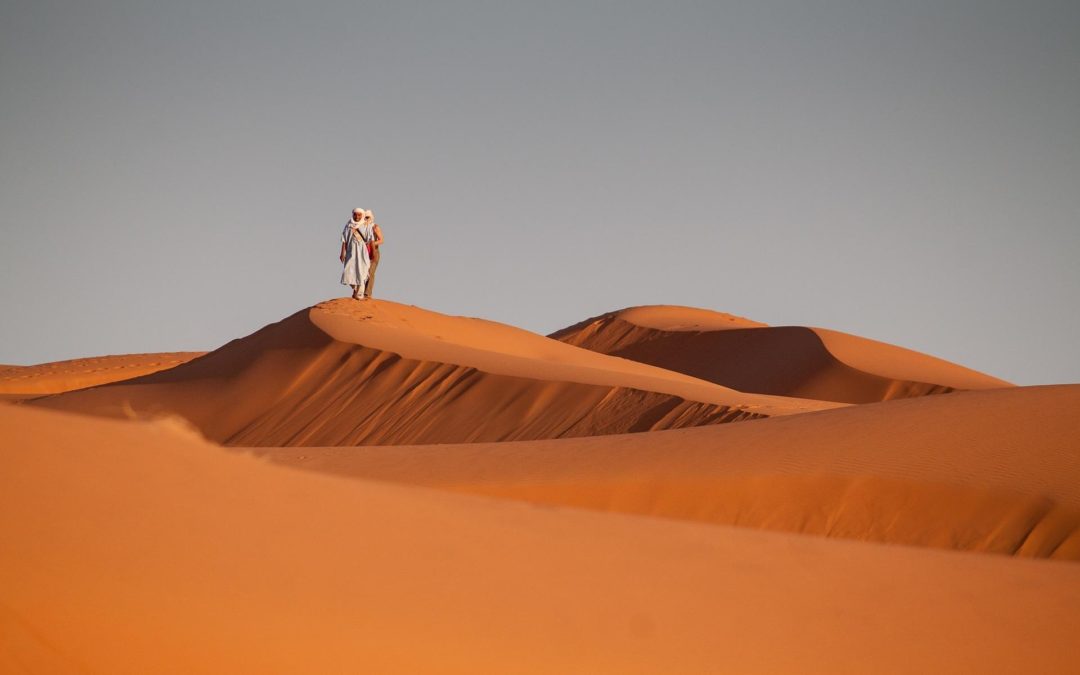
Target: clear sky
pixel 176 174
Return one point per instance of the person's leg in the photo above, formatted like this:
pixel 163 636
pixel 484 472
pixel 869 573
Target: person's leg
pixel 356 292
pixel 370 287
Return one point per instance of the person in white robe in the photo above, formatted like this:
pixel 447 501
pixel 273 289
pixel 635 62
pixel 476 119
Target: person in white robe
pixel 354 252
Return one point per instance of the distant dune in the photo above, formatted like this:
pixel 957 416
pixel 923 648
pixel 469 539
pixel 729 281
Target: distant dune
pixel 61 376
pixel 785 361
pixel 410 492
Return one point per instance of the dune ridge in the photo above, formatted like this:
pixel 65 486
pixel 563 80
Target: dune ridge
pixel 791 361
pixel 60 376
pixel 992 471
pixel 326 376
pixel 500 349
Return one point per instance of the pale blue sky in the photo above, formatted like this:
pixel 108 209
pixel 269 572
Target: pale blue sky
pixel 175 175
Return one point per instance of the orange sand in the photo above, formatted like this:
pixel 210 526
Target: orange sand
pixel 813 536
pixel 787 361
pixel 61 376
pixel 138 548
pixel 382 373
pixel 993 471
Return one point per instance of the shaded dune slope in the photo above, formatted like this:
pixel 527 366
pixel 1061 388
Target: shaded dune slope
pixel 188 559
pixel 785 361
pixel 293 383
pixel 994 471
pixel 61 376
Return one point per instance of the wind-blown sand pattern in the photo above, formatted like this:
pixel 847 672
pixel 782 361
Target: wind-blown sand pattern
pixel 659 490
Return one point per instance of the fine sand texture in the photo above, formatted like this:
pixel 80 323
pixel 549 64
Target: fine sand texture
pixel 994 471
pixel 346 373
pixel 136 547
pixel 61 376
pixel 786 361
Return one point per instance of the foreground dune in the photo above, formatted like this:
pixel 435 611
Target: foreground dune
pixel 345 373
pixel 138 548
pixel 995 471
pixel 61 376
pixel 787 361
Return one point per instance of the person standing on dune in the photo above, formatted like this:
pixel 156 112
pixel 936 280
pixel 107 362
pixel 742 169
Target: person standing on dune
pixel 373 253
pixel 354 252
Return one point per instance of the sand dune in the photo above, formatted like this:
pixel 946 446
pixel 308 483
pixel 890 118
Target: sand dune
pixel 995 471
pixel 382 373
pixel 501 517
pixel 787 361
pixel 61 376
pixel 138 548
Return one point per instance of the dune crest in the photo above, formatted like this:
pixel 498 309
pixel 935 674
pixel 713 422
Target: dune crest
pixel 345 373
pixel 791 361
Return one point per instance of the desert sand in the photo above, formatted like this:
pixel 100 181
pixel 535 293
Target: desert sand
pixel 892 473
pixel 786 360
pixel 61 376
pixel 374 487
pixel 343 373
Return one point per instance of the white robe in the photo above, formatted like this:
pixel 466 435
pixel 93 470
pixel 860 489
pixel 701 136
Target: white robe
pixel 355 237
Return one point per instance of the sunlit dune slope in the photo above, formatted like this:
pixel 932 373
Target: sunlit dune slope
pixel 497 348
pixel 60 376
pixel 345 373
pixel 140 549
pixel 787 360
pixel 995 471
